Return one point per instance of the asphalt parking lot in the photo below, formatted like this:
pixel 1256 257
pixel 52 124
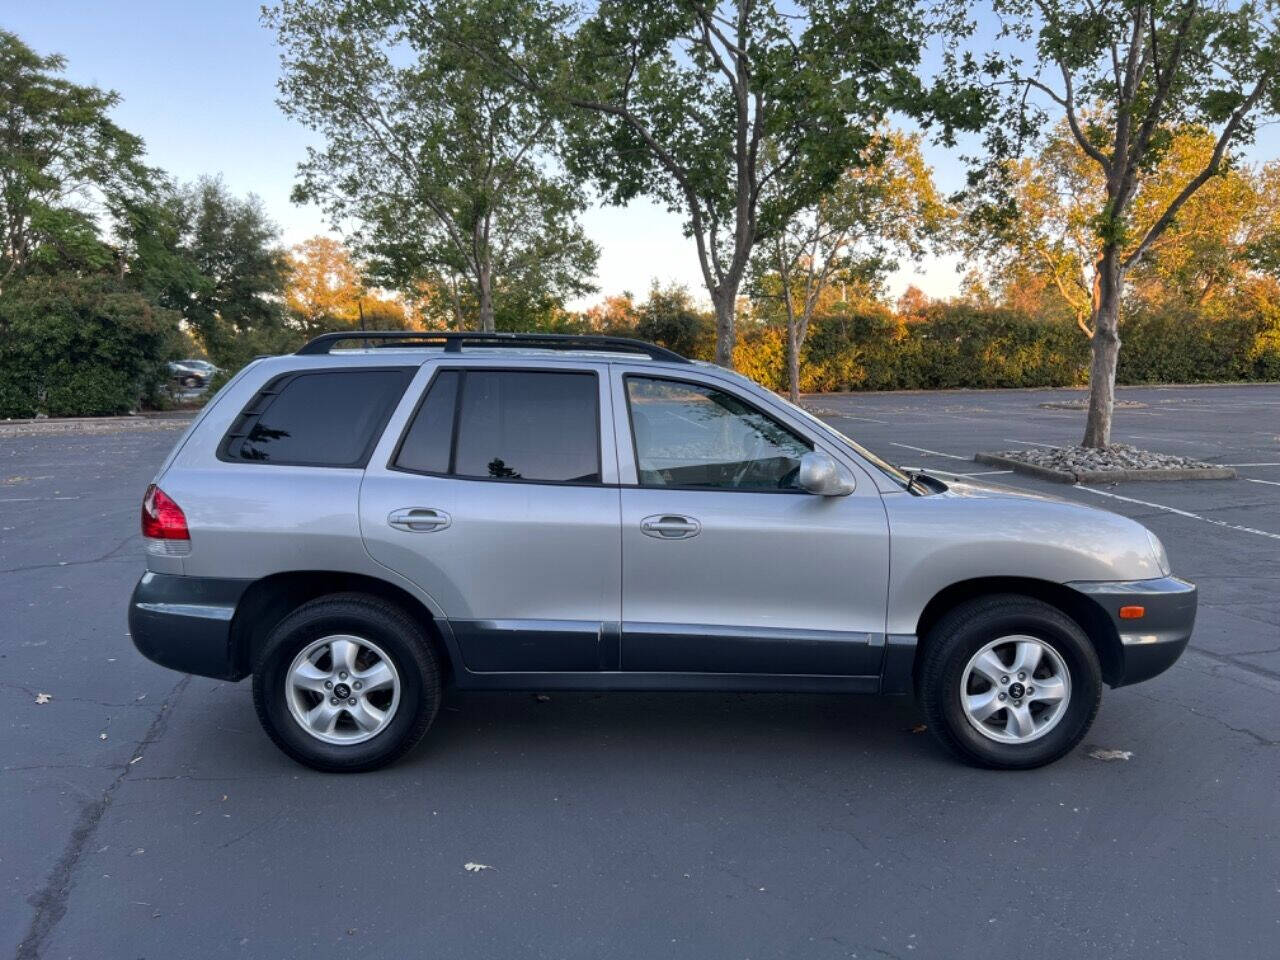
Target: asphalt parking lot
pixel 146 815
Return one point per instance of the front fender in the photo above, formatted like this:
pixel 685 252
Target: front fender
pixel 941 540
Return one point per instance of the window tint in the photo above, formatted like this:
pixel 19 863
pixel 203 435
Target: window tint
pixel 688 435
pixel 516 425
pixel 329 419
pixel 426 446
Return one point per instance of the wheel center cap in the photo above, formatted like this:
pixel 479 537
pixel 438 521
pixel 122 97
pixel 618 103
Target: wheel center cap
pixel 1016 690
pixel 342 691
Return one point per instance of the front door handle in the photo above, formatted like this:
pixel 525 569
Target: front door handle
pixel 419 519
pixel 669 526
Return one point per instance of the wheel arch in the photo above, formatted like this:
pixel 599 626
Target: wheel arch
pixel 1085 611
pixel 270 599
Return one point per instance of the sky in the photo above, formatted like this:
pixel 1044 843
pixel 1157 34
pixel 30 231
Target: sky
pixel 198 82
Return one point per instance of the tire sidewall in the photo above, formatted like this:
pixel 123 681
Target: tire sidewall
pixel 291 636
pixel 1082 665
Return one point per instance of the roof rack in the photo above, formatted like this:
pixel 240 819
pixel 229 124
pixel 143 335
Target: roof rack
pixel 454 341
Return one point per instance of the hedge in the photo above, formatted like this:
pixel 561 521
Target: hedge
pixel 956 345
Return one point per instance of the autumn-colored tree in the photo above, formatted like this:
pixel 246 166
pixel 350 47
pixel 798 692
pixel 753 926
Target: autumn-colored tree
pixel 885 207
pixel 1127 75
pixel 1043 263
pixel 614 316
pixel 327 292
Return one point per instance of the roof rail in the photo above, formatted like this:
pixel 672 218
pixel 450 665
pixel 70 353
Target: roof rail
pixel 454 341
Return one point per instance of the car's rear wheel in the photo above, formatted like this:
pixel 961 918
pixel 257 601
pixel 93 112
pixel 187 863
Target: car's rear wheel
pixel 346 683
pixel 1009 682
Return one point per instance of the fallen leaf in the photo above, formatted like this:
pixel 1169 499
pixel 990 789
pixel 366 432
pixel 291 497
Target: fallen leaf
pixel 475 867
pixel 919 728
pixel 1101 754
pixel 43 697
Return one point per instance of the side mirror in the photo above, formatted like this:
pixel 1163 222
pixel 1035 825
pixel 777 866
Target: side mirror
pixel 820 474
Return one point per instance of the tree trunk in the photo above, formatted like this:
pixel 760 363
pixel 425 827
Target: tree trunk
pixel 726 303
pixel 793 360
pixel 1104 349
pixel 486 299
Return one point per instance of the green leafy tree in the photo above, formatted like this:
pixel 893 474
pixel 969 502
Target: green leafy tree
pixel 1127 75
pixel 886 207
pixel 675 99
pixel 669 318
pixel 61 159
pixel 435 162
pixel 216 259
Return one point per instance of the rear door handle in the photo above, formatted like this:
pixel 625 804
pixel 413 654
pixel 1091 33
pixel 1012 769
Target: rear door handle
pixel 419 519
pixel 669 526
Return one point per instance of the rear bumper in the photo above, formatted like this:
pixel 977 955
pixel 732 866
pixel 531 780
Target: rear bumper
pixel 1151 644
pixel 184 623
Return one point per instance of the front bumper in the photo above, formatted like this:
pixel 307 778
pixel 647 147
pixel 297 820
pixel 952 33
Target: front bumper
pixel 1149 645
pixel 184 623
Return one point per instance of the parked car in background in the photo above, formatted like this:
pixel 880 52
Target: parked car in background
pixel 186 376
pixel 202 366
pixel 534 512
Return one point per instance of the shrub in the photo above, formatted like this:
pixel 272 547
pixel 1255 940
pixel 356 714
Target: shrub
pixel 957 345
pixel 79 346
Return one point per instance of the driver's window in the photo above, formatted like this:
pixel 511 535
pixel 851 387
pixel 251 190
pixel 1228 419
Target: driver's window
pixel 689 435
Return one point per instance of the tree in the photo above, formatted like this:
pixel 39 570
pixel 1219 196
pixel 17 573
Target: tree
pixel 214 257
pixel 669 318
pixel 884 207
pixel 674 99
pixel 326 292
pixel 1042 262
pixel 1127 75
pixel 434 162
pixel 61 157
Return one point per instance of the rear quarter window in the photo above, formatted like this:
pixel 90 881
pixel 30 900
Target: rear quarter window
pixel 325 418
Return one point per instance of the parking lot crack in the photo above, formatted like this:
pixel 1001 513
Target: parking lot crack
pixel 110 554
pixel 50 902
pixel 1253 734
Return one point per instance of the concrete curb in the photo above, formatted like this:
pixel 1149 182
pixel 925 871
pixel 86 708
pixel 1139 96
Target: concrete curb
pixel 1105 476
pixel 47 426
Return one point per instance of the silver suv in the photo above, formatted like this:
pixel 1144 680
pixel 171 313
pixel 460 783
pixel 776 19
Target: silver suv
pixel 356 527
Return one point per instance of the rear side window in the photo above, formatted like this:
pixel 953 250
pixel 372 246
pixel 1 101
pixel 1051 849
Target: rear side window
pixel 507 425
pixel 328 418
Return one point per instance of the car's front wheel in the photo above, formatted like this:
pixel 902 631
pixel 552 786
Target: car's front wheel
pixel 1009 682
pixel 346 683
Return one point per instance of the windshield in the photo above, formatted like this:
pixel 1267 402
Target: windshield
pixel 884 466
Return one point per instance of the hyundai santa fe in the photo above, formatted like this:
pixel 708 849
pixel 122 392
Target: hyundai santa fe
pixel 356 527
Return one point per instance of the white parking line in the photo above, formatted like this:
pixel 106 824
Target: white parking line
pixel 32 499
pixel 1274 483
pixel 1276 464
pixel 936 453
pixel 1027 443
pixel 1181 513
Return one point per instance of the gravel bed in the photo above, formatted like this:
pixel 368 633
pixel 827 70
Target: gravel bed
pixel 1118 456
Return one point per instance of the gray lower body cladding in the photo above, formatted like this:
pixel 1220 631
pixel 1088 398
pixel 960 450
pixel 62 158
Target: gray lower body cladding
pixel 1149 644
pixel 185 623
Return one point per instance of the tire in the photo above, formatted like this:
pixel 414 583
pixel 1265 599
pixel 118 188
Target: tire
pixel 954 671
pixel 191 382
pixel 301 652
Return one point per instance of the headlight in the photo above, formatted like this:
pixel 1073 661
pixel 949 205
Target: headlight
pixel 1162 558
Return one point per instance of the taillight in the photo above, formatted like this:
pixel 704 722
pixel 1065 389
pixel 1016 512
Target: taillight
pixel 162 519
